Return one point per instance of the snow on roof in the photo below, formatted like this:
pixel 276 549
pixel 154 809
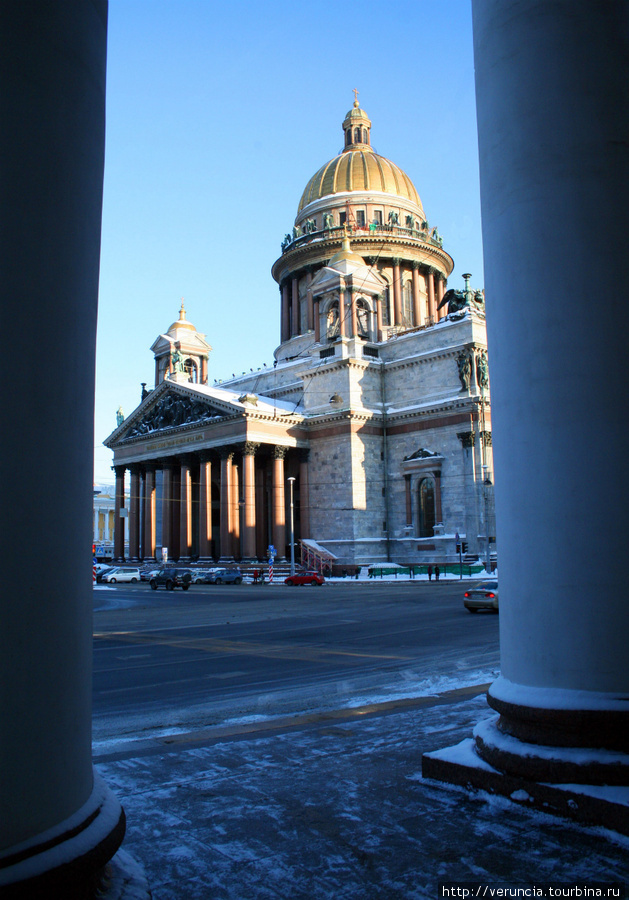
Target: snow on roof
pixel 225 395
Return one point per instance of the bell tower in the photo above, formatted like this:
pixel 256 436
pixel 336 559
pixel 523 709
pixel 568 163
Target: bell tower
pixel 182 353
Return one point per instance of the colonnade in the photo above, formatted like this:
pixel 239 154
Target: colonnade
pixel 425 281
pixel 225 504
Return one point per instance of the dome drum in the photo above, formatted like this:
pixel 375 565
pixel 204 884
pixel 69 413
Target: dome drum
pixel 365 197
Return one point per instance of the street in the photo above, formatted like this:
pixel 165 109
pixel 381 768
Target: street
pixel 177 662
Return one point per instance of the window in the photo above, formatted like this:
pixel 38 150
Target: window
pixel 386 315
pixel 407 305
pixel 377 216
pixel 357 132
pixel 426 491
pixel 190 367
pixel 342 218
pixel 360 218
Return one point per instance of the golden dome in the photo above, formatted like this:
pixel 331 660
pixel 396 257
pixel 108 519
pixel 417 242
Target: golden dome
pixel 358 167
pixel 181 322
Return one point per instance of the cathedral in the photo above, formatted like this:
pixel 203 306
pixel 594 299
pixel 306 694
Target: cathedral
pixel 371 433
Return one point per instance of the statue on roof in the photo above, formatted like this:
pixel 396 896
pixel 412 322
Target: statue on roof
pixel 460 301
pixel 177 359
pixel 119 417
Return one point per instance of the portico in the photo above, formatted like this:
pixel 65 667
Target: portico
pixel 212 486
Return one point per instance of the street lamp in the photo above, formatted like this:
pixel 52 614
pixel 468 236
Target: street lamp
pixel 291 481
pixel 486 485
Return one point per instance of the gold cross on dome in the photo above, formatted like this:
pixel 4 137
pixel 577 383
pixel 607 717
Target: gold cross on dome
pixel 355 93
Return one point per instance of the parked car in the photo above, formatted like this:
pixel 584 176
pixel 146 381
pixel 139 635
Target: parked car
pixel 147 574
pixel 171 578
pixel 100 573
pixel 122 573
pixel 305 578
pixel 224 576
pixel 485 596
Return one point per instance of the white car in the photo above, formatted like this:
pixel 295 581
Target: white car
pixel 122 573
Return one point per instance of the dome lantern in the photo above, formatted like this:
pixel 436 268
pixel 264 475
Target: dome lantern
pixel 357 128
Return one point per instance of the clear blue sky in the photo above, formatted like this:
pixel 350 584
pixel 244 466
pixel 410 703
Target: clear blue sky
pixel 217 116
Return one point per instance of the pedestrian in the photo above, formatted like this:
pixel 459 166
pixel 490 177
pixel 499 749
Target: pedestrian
pixel 437 573
pixel 429 573
pixel 256 575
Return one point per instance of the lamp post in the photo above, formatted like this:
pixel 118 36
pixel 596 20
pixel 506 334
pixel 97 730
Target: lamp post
pixel 291 481
pixel 486 485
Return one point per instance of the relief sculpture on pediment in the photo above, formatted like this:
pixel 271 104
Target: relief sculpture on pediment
pixel 172 411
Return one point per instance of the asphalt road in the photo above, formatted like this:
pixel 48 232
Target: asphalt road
pixel 214 654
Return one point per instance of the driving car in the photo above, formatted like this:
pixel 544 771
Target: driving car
pixel 122 573
pixel 484 596
pixel 224 576
pixel 171 578
pixel 305 578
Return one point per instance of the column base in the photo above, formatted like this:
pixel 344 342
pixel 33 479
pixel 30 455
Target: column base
pixel 66 860
pixel 587 803
pixel 226 561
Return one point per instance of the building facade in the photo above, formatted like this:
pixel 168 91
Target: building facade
pixel 377 404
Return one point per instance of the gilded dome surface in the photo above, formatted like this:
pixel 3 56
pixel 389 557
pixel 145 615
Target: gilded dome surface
pixel 358 167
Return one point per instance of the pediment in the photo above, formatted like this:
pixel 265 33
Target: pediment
pixel 172 409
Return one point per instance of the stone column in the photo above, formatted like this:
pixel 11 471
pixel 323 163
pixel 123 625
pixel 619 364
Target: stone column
pixel 309 302
pixel 173 552
pixel 249 491
pixel 134 515
pixel 235 509
pixel 205 509
pixel 149 513
pixel 417 315
pixel 430 287
pixel 262 541
pixel 397 293
pixel 563 623
pixel 118 517
pixel 470 489
pixel 226 530
pixel 51 157
pixel 167 508
pixel 294 318
pixel 409 501
pixel 185 511
pixel 304 494
pixel 443 312
pixel 353 317
pixel 379 317
pixel 279 503
pixel 342 315
pixel 285 314
pixel 317 321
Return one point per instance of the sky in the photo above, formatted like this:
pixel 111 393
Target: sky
pixel 217 117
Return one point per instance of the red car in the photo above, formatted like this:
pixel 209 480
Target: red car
pixel 305 578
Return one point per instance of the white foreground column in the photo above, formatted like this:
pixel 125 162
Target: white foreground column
pixel 553 107
pixel 58 823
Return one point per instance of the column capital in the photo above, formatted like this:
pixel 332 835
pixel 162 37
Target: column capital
pixel 279 452
pixel 119 470
pixel 249 448
pixel 416 265
pixel 466 438
pixel 396 260
pixel 225 453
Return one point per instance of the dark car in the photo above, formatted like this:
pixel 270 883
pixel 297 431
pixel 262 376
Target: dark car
pixel 224 576
pixel 305 578
pixel 171 578
pixel 104 571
